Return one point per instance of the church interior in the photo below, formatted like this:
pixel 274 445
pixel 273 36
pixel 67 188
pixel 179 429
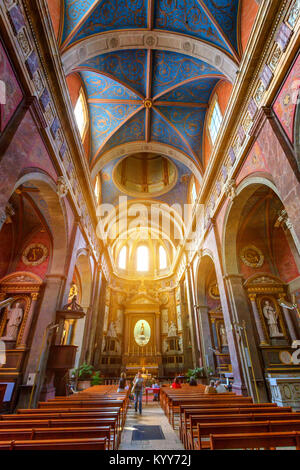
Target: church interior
pixel 149 210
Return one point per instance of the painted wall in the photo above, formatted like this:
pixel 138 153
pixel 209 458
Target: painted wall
pixel 249 9
pixel 13 92
pixel 286 102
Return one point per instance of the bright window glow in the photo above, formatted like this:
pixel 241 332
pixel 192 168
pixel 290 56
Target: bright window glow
pixel 123 258
pixel 80 114
pixel 142 258
pixel 194 192
pixel 162 258
pixel 97 189
pixel 215 122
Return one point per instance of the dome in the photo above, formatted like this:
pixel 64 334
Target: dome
pixel 144 174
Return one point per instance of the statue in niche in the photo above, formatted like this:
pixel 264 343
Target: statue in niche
pixel 223 335
pixel 172 329
pixel 119 322
pixel 112 330
pixel 103 344
pixel 272 316
pixel 15 316
pixel 180 344
pixel 165 322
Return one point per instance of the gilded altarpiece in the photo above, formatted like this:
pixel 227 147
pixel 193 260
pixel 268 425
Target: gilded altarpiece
pixel 276 325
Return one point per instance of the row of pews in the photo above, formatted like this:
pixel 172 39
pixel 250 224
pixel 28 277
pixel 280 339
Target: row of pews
pixel 88 420
pixel 228 421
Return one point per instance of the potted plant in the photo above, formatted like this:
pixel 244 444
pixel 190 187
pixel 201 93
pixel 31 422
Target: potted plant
pixel 96 379
pixel 84 374
pixel 197 373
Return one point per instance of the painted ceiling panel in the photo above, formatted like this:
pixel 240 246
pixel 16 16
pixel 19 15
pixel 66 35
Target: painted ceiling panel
pixel 102 87
pixel 198 91
pixel 113 15
pixel 189 122
pixel 75 10
pixel 162 131
pixel 187 17
pixel 225 13
pixel 105 118
pixel 170 69
pixel 134 130
pixel 127 66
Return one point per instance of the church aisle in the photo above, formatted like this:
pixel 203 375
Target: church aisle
pixel 152 415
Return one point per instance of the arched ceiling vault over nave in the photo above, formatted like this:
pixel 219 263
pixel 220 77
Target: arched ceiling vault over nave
pixel 149 69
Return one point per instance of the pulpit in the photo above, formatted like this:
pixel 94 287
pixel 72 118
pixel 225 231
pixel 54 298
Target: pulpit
pixel 63 353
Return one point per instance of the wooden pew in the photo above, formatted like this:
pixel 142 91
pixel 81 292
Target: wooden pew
pixel 190 416
pixel 41 434
pixel 267 441
pixel 175 404
pixel 65 423
pixel 61 444
pixel 248 427
pixel 2 393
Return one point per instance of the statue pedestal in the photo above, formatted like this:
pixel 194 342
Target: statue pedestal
pixel 285 390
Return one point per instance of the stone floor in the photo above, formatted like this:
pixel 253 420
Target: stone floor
pixel 152 415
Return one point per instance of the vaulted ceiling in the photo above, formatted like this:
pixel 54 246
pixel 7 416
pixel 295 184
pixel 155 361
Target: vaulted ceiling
pixel 150 92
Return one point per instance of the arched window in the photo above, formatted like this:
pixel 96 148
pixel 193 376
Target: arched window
pixel 162 258
pixel 81 114
pixel 123 258
pixel 215 121
pixel 142 258
pixel 97 189
pixel 194 192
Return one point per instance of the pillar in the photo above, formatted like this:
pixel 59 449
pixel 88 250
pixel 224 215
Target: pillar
pixel 195 348
pixel 240 308
pixel 260 330
pixel 206 334
pixel 34 297
pixel 38 355
pixel 158 335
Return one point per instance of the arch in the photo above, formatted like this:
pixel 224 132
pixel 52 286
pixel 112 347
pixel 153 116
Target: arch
pixel 124 150
pixel 139 39
pixel 232 219
pixel 297 134
pixel 57 214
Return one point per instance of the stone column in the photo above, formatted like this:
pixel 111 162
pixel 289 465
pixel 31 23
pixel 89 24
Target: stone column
pixel 260 330
pixel 240 307
pixel 126 333
pixel 38 355
pixel 290 324
pixel 96 301
pixel 34 297
pixel 206 334
pixel 158 336
pixel 195 349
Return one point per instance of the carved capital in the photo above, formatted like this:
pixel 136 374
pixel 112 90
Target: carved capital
pixel 62 188
pixel 230 189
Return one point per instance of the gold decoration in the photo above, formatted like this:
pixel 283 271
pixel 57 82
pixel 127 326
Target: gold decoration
pixel 214 291
pixel 34 254
pixel 252 256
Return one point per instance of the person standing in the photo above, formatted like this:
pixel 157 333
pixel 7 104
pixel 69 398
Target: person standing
pixel 138 388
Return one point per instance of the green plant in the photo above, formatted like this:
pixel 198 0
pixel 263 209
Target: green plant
pixel 197 373
pixel 96 379
pixel 209 371
pixel 85 371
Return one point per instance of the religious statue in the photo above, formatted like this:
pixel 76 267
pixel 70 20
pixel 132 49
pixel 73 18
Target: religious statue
pixel 272 316
pixel 15 316
pixel 172 329
pixel 223 335
pixel 179 322
pixel 165 346
pixel 180 344
pixel 112 330
pixel 119 322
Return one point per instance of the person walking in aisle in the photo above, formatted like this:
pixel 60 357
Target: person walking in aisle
pixel 138 388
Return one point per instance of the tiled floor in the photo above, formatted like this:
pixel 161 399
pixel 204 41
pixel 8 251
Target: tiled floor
pixel 152 415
